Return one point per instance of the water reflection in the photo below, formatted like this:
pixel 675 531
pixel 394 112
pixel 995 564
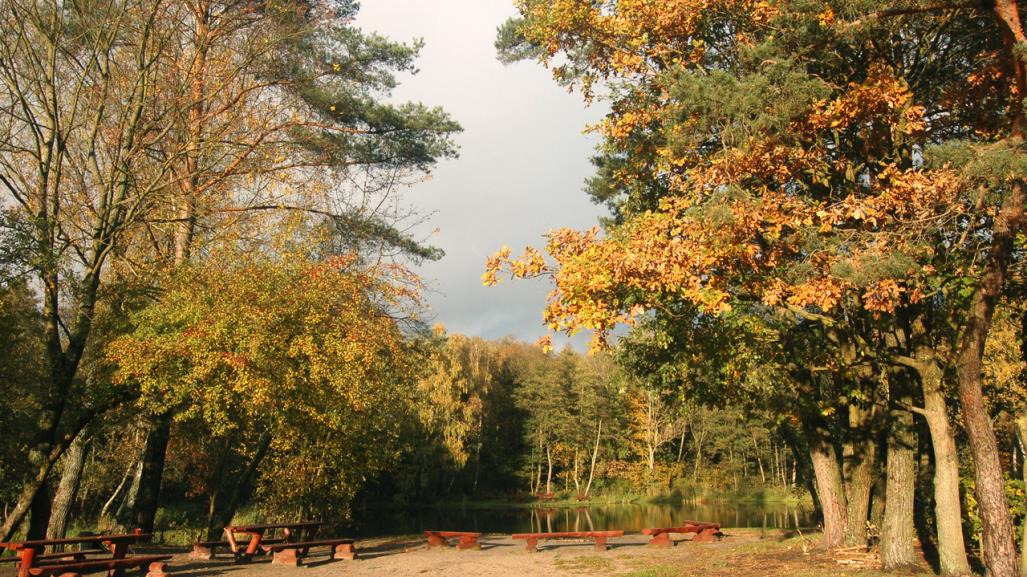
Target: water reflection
pixel 627 517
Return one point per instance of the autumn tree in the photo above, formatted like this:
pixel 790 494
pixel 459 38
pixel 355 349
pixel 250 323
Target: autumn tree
pixel 280 107
pixel 305 356
pixel 783 153
pixel 78 121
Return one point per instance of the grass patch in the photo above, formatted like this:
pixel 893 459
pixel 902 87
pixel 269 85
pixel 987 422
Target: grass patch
pixel 585 564
pixel 665 570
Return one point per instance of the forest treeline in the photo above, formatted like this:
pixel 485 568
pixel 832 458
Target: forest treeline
pixel 818 209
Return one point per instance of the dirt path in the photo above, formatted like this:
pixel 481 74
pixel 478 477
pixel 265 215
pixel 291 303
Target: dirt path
pixel 742 553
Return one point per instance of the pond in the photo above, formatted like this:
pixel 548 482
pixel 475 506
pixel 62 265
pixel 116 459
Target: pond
pixel 629 517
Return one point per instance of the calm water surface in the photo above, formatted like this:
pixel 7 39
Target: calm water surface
pixel 627 517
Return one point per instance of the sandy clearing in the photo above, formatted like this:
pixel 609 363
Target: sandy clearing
pixel 741 553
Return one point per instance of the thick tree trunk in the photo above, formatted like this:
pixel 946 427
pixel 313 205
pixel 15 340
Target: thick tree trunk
pixel 830 491
pixel 1021 433
pixel 996 522
pixel 32 488
pixel 240 489
pixel 952 558
pixel 897 531
pixel 71 477
pixel 151 474
pixel 155 453
pixel 947 509
pixel 861 464
pixel 39 517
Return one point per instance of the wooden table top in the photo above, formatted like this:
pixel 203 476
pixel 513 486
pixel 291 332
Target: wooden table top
pixel 39 543
pixel 264 527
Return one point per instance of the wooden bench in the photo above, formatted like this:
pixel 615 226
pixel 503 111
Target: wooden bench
pixel 465 540
pixel 155 565
pixel 292 554
pixel 704 532
pixel 77 555
pixel 208 549
pixel 600 537
pixel 545 496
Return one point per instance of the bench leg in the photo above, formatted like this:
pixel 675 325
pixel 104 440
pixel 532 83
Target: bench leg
pixel 345 551
pixel 468 543
pixel 436 541
pixel 706 535
pixel 201 552
pixel 531 545
pixel 601 544
pixel 286 557
pixel 661 540
pixel 156 569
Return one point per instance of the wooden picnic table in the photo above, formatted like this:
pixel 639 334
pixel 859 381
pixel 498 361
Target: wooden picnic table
pixel 27 551
pixel 289 530
pixel 704 532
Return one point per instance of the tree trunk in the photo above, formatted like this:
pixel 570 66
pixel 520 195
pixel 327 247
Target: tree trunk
pixel 549 471
pixel 595 455
pixel 861 478
pixel 681 443
pixel 947 508
pixel 36 485
pixel 241 488
pixel 759 461
pixel 996 522
pixel 71 477
pixel 151 474
pixel 155 452
pixel 830 491
pixel 897 531
pixel 577 482
pixel 1021 433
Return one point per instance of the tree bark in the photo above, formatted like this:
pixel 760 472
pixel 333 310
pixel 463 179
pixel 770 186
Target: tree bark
pixel 151 474
pixel 155 453
pixel 952 558
pixel 595 455
pixel 898 531
pixel 240 489
pixel 947 507
pixel 1021 433
pixel 996 522
pixel 861 464
pixel 549 470
pixel 71 477
pixel 830 491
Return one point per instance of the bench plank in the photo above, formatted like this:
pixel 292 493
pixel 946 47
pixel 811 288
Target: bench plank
pixel 531 539
pixel 466 539
pixel 704 532
pixel 292 554
pixel 154 563
pixel 208 549
pixel 80 554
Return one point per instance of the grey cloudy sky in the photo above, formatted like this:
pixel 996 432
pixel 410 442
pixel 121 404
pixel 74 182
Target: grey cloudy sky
pixel 523 159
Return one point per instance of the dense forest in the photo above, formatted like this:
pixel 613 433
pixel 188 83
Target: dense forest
pixel 809 286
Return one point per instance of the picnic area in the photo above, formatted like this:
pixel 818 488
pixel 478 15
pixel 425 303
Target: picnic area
pixel 741 552
pixel 638 288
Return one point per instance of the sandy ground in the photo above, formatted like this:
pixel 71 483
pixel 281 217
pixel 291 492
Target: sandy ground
pixel 740 553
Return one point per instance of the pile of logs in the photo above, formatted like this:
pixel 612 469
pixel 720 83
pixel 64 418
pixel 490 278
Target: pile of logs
pixel 857 557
